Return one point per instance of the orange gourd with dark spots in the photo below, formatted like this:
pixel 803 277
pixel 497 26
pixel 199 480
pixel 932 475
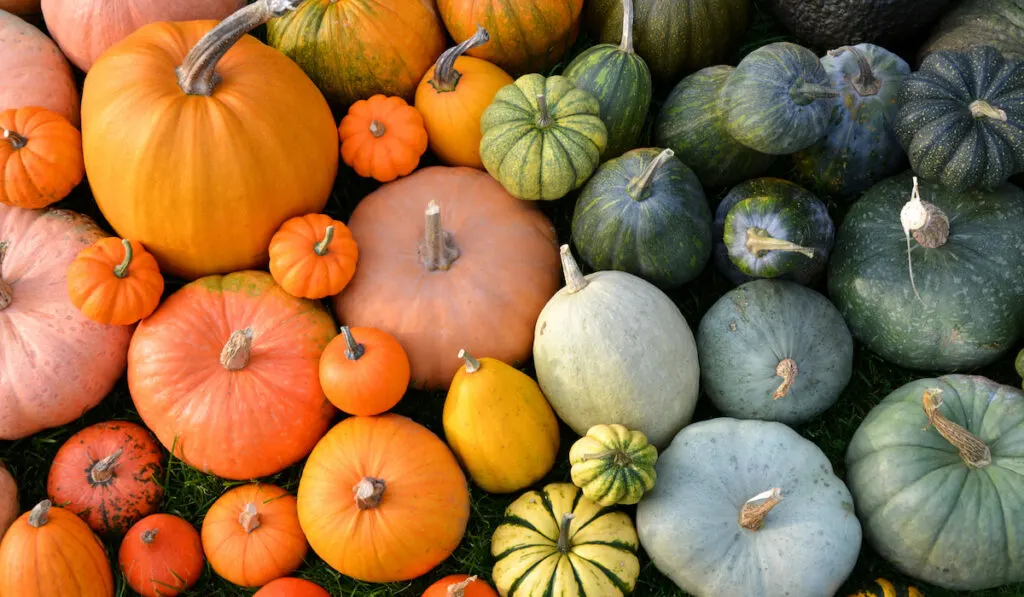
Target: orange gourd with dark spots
pixel 382 138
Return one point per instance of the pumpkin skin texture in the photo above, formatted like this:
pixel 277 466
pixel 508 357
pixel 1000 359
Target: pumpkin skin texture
pixel 460 585
pixel 996 23
pixel 613 465
pixel 291 587
pixel 35 71
pixel 233 348
pixel 882 587
pixel 498 238
pixel 313 256
pixel 10 508
pixel 115 281
pixel 919 498
pixel 364 371
pixel 410 499
pixel 710 500
pixel 832 23
pixel 65 363
pixel 972 272
pixel 382 137
pixel 161 556
pixel 40 157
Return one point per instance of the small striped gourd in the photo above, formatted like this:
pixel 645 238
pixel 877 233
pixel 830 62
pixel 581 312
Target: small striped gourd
pixel 613 465
pixel 883 587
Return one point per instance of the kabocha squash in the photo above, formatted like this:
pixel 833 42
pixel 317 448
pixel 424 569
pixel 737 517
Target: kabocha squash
pixel 644 213
pixel 758 492
pixel 161 556
pixel 35 72
pixel 542 137
pixel 40 157
pixel 382 137
pixel 882 587
pixel 460 585
pixel 291 587
pixel 935 471
pixel 409 504
pixel 613 465
pixel 364 371
pixel 174 154
pixel 9 505
pixel 558 541
pixel 996 23
pixel 313 256
pixel 233 348
pixel 115 281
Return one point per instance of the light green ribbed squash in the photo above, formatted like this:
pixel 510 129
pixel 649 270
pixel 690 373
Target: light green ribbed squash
pixel 613 465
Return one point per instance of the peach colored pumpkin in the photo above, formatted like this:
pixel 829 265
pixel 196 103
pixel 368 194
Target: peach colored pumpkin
pixel 20 7
pixel 35 73
pixel 9 506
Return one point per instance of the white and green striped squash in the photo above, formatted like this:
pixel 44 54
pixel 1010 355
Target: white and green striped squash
pixel 613 465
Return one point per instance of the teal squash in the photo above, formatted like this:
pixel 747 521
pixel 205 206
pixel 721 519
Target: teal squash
pixel 644 213
pixel 937 476
pixel 691 123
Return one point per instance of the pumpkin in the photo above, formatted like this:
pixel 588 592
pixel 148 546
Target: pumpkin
pixel 935 467
pixel 49 551
pixel 774 351
pixel 996 23
pixel 10 507
pixel 409 506
pixel 35 72
pixel 382 137
pixel 542 137
pixel 61 364
pixel 475 239
pixel 115 281
pixel 610 347
pixel 831 23
pixel 364 376
pixel 956 304
pixel 960 119
pixel 883 587
pixel 460 585
pixel 395 41
pixel 161 556
pixel 109 474
pixel 733 487
pixel 779 99
pixel 499 425
pixel 314 274
pixel 452 96
pixel 644 213
pixel 187 171
pixel 251 535
pixel 20 7
pixel 613 465
pixel 233 348
pixel 691 123
pixel 291 587
pixel 40 157
pixel 557 541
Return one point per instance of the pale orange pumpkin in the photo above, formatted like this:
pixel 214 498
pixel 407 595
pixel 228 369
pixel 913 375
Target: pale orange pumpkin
pixel 35 73
pixel 313 256
pixel 9 506
pixel 40 157
pixel 161 556
pixel 382 137
pixel 115 281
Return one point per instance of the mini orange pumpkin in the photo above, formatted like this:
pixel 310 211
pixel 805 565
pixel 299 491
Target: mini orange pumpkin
pixel 40 157
pixel 366 376
pixel 115 281
pixel 161 556
pixel 382 137
pixel 313 256
pixel 291 587
pixel 460 585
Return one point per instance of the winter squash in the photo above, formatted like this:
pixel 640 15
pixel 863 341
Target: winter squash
pixel 233 348
pixel 732 486
pixel 161 556
pixel 40 157
pixel 115 281
pixel 542 137
pixel 996 23
pixel 460 585
pixel 291 587
pixel 364 371
pixel 50 551
pixel 476 238
pixel 955 305
pixel 499 425
pixel 35 72
pixel 613 465
pixel 1018 364
pixel 251 535
pixel 883 587
pixel 314 274
pixel 943 453
pixel 644 213
pixel 831 23
pixel 452 96
pixel 185 171
pixel 382 137
pixel 65 363
pixel 410 501
pixel 396 42
pixel 593 374
pixel 10 507
pixel 797 353
pixel 556 539
pixel 110 474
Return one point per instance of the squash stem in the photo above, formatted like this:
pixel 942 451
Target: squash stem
pixel 40 514
pixel 446 78
pixel 6 291
pixel 237 350
pixel 149 535
pixel 974 452
pixel 574 280
pixel 760 242
pixel 321 247
pixel 353 350
pixel 438 250
pixel 249 518
pixel 803 93
pixel 983 109
pixel 619 457
pixel 377 128
pixel 121 270
pixel 627 27
pixel 787 370
pixel 103 470
pixel 369 492
pixel 754 510
pixel 865 83
pixel 928 223
pixel 564 539
pixel 543 114
pixel 472 365
pixel 637 188
pixel 459 589
pixel 16 140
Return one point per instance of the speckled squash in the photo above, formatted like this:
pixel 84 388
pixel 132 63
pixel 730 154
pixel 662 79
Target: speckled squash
pixel 613 465
pixel 996 23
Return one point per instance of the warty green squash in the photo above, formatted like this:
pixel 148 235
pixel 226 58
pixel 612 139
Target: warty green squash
pixel 996 23
pixel 613 465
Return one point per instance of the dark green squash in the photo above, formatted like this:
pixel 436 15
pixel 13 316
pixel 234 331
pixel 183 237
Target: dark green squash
pixel 833 23
pixel 644 213
pixel 996 23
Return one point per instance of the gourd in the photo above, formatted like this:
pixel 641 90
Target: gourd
pixel 382 137
pixel 10 507
pixel 313 256
pixel 613 465
pixel 115 281
pixel 40 156
pixel 460 585
pixel 883 587
pixel 161 556
pixel 291 587
pixel 36 74
pixel 364 376
pixel 996 23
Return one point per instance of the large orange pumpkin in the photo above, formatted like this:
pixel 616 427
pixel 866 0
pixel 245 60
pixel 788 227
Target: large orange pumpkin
pixel 203 163
pixel 35 73
pixel 40 157
pixel 226 371
pixel 9 506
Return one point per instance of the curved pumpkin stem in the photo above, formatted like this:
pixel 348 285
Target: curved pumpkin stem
pixel 369 492
pixel 983 109
pixel 626 45
pixel 353 350
pixel 803 93
pixel 638 186
pixel 40 514
pixel 760 242
pixel 564 538
pixel 438 250
pixel 121 270
pixel 237 350
pixel 754 510
pixel 865 83
pixel 321 247
pixel 103 470
pixel 574 280
pixel 974 452
pixel 16 140
pixel 249 518
pixel 6 291
pixel 446 78
pixel 787 370
pixel 459 589
pixel 472 365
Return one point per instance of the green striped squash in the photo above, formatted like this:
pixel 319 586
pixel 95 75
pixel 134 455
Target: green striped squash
pixel 613 465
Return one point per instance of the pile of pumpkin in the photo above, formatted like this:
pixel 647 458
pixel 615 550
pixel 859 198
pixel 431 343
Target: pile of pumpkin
pixel 212 156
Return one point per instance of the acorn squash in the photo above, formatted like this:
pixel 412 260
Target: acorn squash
pixel 613 465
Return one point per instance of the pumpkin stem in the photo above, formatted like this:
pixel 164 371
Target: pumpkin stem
pixel 237 350
pixel 760 242
pixel 197 74
pixel 865 82
pixel 377 128
pixel 787 370
pixel 928 224
pixel 459 589
pixel 149 535
pixel 543 115
pixel 803 93
pixel 17 141
pixel 353 350
pixel 321 247
pixel 574 280
pixel 626 45
pixel 6 291
pixel 564 539
pixel 754 510
pixel 369 492
pixel 619 457
pixel 983 109
pixel 249 518
pixel 446 78
pixel 438 250
pixel 472 365
pixel 974 452
pixel 103 470
pixel 40 514
pixel 121 270
pixel 638 186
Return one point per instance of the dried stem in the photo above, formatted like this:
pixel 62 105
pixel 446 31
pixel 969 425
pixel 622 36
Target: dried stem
pixel 543 115
pixel 322 247
pixel 619 457
pixel 472 365
pixel 438 250
pixel 249 518
pixel 377 128
pixel 760 242
pixel 974 452
pixel 103 470
pixel 40 514
pixel 121 270
pixel 459 589
pixel 865 83
pixel 787 370
pixel 17 141
pixel 754 510
pixel 564 538
pixel 149 535
pixel 446 78
pixel 369 492
pixel 237 350
pixel 637 187
pixel 803 93
pixel 574 280
pixel 626 45
pixel 982 109
pixel 353 350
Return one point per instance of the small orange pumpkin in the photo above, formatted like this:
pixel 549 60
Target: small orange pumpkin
pixel 382 137
pixel 115 281
pixel 366 376
pixel 291 587
pixel 161 556
pixel 460 585
pixel 40 157
pixel 313 256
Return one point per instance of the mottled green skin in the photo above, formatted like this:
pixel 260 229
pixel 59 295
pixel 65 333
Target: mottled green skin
pixel 692 123
pixel 971 297
pixel 996 23
pixel 662 234
pixel 945 142
pixel 535 161
pixel 923 509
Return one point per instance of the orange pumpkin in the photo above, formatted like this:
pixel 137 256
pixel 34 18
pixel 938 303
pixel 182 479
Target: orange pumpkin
pixel 382 137
pixel 409 505
pixel 203 163
pixel 251 535
pixel 9 506
pixel 40 157
pixel 460 585
pixel 161 556
pixel 291 587
pixel 115 281
pixel 35 73
pixel 364 376
pixel 313 256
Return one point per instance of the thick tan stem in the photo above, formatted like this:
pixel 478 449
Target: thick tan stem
pixel 472 365
pixel 446 78
pixel 787 370
pixel 322 247
pixel 574 280
pixel 637 187
pixel 564 538
pixel 377 128
pixel 438 251
pixel 974 452
pixel 353 350
pixel 121 270
pixel 865 83
pixel 40 514
pixel 103 470
pixel 626 45
pixel 803 93
pixel 6 291
pixel 754 510
pixel 237 350
pixel 369 492
pixel 149 535
pixel 249 518
pixel 760 242
pixel 16 140
pixel 983 109
pixel 543 115
pixel 459 589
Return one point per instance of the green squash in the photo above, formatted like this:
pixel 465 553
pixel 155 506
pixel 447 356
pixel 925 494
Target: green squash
pixel 749 508
pixel 691 122
pixel 542 137
pixel 779 99
pixel 644 213
pixel 996 23
pixel 961 118
pixel 832 23
pixel 963 308
pixel 1018 365
pixel 937 474
pixel 775 351
pixel 613 465
pixel 621 82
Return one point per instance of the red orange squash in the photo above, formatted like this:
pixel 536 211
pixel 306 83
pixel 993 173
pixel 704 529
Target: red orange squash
pixel 161 556
pixel 364 371
pixel 313 256
pixel 382 137
pixel 9 506
pixel 40 157
pixel 291 587
pixel 115 281
pixel 35 73
pixel 460 585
